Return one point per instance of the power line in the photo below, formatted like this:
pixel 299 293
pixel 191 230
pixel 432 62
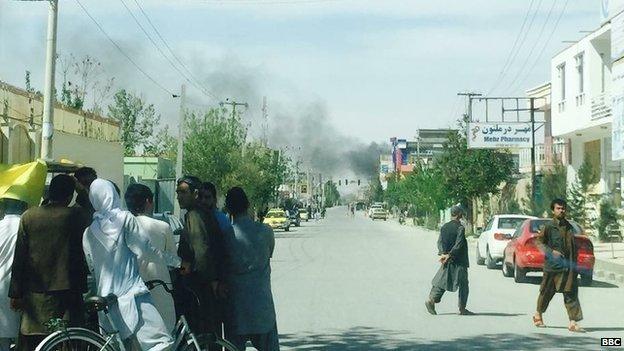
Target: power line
pixel 180 62
pixel 528 57
pixel 513 47
pixel 539 56
pixel 526 33
pixel 149 37
pixel 122 51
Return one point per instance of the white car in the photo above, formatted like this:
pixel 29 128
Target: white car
pixel 373 208
pixel 495 236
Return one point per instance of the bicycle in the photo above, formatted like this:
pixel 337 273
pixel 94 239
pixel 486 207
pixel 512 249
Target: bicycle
pixel 77 338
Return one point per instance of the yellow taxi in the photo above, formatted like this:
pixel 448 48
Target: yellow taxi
pixel 277 219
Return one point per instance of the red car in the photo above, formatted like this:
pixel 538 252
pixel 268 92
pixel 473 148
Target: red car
pixel 522 255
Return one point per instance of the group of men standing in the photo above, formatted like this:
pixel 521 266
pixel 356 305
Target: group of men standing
pixel 46 253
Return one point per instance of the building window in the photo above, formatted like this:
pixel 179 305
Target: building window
pixel 579 71
pixel 561 76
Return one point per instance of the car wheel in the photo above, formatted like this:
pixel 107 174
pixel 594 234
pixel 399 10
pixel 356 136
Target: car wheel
pixel 507 271
pixel 489 262
pixel 587 278
pixel 519 274
pixel 479 259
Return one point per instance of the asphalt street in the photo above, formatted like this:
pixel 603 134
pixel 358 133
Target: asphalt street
pixel 345 283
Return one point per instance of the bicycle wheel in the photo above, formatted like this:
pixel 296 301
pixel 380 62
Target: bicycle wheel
pixel 75 339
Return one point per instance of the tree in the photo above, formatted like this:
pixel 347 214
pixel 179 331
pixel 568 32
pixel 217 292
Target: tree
pixel 213 145
pixel 138 122
pixel 472 173
pixel 332 196
pixel 587 176
pixel 82 78
pixel 608 217
pixel 215 150
pixel 375 192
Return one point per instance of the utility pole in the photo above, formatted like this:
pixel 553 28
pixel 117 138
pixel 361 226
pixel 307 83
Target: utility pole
pixel 533 178
pixel 234 104
pixel 181 137
pixel 469 95
pixel 47 130
pixel 265 122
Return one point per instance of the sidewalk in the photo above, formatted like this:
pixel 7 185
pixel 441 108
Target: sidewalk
pixel 609 260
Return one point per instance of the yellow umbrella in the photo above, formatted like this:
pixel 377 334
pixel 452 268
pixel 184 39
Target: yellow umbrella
pixel 25 182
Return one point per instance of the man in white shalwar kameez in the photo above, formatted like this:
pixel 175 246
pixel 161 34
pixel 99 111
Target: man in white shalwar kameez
pixel 140 201
pixel 9 319
pixel 112 244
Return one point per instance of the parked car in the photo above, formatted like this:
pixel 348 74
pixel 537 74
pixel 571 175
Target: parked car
pixel 277 219
pixel 303 214
pixel 174 223
pixel 494 238
pixel 522 254
pixel 373 208
pixel 294 217
pixel 379 213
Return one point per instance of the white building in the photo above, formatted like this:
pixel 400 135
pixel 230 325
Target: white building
pixel 581 106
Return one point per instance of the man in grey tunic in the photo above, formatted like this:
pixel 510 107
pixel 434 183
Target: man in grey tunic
pixel 250 314
pixel 453 273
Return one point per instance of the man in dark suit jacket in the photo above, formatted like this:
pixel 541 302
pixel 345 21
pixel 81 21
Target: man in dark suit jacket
pixel 453 273
pixel 49 273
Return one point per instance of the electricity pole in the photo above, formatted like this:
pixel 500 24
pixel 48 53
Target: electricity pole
pixel 234 104
pixel 47 130
pixel 469 95
pixel 265 122
pixel 181 137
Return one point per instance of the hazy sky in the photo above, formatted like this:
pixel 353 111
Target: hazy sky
pixel 377 68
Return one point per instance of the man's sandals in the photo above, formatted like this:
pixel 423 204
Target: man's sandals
pixel 575 328
pixel 538 322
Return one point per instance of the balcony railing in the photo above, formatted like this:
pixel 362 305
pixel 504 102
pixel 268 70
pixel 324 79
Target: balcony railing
pixel 601 106
pixel 546 156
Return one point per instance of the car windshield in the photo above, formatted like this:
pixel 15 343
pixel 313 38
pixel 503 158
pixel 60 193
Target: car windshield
pixel 303 211
pixel 275 214
pixel 538 224
pixel 509 222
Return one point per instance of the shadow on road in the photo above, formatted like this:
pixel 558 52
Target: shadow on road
pixel 363 338
pixel 595 283
pixel 489 314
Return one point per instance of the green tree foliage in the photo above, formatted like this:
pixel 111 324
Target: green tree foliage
pixel 608 217
pixel 578 195
pixel 213 145
pixel 554 185
pixel 472 173
pixel 332 196
pixel 375 192
pixel 215 150
pixel 138 124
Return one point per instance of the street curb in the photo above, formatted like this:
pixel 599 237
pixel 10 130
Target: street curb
pixel 609 270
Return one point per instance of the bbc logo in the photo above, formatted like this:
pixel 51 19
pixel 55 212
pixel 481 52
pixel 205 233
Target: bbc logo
pixel 617 342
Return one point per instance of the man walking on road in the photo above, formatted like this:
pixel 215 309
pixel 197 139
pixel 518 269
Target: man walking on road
pixel 556 240
pixel 453 274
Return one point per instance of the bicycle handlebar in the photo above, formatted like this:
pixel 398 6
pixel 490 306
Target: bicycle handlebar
pixel 151 284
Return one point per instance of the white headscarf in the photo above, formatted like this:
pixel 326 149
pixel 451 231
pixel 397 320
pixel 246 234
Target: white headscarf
pixel 109 218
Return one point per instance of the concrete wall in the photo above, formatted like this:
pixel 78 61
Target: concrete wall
pixel 105 156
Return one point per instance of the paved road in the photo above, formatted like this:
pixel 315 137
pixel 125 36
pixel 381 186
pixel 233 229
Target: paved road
pixel 353 284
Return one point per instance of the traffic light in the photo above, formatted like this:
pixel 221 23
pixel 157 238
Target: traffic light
pixel 358 182
pixel 346 182
pixel 338 182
